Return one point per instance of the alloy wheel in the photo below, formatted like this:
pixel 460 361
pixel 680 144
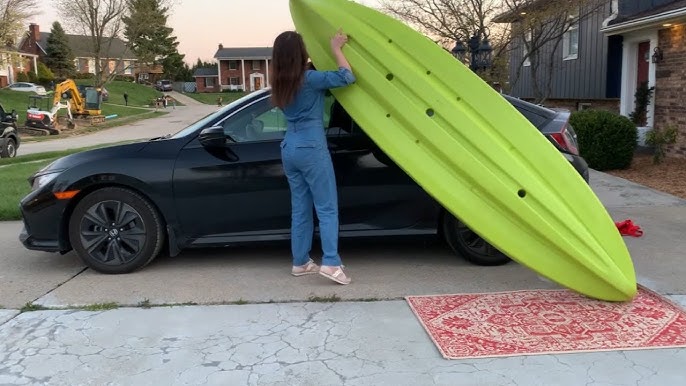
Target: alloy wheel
pixel 112 232
pixel 473 241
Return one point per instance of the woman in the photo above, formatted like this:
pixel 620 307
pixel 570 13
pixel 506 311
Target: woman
pixel 299 91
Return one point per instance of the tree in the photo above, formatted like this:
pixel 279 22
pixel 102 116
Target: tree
pixel 538 28
pixel 147 32
pixel 59 57
pixel 45 76
pixel 13 16
pixel 101 20
pixel 175 68
pixel 449 21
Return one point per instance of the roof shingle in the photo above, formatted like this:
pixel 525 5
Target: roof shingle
pixel 206 72
pixel 244 53
pixel 81 46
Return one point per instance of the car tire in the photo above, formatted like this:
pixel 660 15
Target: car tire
pixel 466 243
pixel 132 243
pixel 9 150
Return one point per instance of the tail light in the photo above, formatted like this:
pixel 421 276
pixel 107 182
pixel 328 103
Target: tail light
pixel 566 139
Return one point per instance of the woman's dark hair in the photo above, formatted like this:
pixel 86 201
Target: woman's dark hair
pixel 289 60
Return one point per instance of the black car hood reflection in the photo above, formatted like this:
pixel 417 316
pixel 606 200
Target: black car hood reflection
pixel 91 155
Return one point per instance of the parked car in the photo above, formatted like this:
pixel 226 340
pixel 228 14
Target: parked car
pixel 9 137
pixel 164 85
pixel 220 182
pixel 27 87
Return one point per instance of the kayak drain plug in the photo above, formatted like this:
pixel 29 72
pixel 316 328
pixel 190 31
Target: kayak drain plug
pixel 521 193
pixel 430 112
pixel 389 76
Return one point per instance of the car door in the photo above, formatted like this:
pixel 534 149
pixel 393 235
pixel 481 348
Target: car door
pixel 375 195
pixel 239 191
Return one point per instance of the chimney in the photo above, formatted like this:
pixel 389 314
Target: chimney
pixel 34 32
pixel 221 46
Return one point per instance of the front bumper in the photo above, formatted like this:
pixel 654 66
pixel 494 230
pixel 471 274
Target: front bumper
pixel 42 214
pixel 34 244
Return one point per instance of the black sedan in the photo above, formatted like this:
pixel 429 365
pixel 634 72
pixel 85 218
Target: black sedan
pixel 220 182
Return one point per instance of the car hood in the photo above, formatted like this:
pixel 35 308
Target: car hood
pixel 87 156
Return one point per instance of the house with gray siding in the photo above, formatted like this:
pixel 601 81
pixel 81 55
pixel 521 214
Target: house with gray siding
pixel 606 56
pixel 586 66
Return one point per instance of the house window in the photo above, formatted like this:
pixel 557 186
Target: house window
pixel 233 65
pixel 256 64
pixel 128 67
pixel 234 81
pixel 527 38
pixel 570 40
pixel 77 65
pixel 209 82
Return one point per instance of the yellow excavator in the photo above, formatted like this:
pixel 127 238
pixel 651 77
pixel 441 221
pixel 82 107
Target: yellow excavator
pixel 41 114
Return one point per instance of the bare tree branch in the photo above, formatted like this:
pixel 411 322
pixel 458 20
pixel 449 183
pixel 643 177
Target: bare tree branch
pixel 13 16
pixel 448 21
pixel 101 20
pixel 538 28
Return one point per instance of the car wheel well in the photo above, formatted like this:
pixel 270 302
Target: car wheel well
pixel 69 210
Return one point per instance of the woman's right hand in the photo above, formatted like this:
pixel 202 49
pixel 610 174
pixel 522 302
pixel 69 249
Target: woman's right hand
pixel 339 40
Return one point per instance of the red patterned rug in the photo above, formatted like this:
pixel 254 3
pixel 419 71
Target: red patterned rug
pixel 547 322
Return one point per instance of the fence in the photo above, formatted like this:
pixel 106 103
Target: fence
pixel 184 87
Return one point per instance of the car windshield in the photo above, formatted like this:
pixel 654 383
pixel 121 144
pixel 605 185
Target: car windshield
pixel 207 119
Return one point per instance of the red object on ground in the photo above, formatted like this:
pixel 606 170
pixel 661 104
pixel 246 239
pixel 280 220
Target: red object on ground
pixel 546 322
pixel 628 228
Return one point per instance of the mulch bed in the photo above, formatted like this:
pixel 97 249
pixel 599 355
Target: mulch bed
pixel 668 177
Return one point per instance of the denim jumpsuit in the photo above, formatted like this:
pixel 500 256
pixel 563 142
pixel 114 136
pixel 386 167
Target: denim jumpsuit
pixel 307 164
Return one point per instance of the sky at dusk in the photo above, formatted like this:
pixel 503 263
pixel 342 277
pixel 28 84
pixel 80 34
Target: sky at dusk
pixel 200 25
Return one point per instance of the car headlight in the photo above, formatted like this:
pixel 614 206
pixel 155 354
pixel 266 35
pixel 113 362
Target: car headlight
pixel 43 180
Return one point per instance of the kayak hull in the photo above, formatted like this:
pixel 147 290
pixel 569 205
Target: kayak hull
pixel 470 149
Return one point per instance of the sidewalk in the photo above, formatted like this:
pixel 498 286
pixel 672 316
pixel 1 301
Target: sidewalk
pixel 379 343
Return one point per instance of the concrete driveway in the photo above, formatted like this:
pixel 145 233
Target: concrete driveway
pixel 386 269
pixel 301 340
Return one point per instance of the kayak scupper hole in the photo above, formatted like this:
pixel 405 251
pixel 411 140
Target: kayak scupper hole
pixel 389 76
pixel 521 193
pixel 388 115
pixel 390 40
pixel 459 99
pixel 428 72
pixel 430 112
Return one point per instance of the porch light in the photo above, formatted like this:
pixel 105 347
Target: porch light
pixel 480 52
pixel 657 55
pixel 459 51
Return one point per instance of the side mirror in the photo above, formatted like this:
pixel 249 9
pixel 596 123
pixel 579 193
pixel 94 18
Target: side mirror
pixel 213 137
pixel 14 114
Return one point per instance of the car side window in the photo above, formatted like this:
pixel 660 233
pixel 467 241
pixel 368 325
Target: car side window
pixel 258 122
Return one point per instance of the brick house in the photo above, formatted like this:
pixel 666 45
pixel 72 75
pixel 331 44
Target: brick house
pixel 117 58
pixel 207 79
pixel 653 33
pixel 12 62
pixel 243 68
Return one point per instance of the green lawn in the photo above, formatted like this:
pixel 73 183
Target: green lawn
pixel 14 173
pixel 139 95
pixel 210 98
pixel 14 186
pixel 15 100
